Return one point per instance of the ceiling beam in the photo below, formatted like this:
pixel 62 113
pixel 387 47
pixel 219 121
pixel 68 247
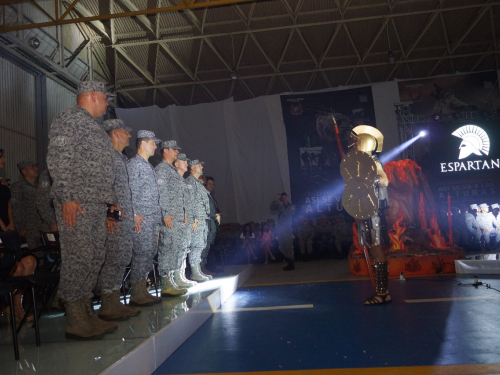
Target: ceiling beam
pixel 142 12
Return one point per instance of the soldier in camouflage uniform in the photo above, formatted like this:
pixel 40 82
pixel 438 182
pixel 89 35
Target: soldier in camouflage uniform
pixel 147 214
pixel 44 201
pixel 175 202
pixel 80 162
pixel 119 241
pixel 495 207
pixel 470 221
pixel 26 217
pixel 201 209
pixel 285 211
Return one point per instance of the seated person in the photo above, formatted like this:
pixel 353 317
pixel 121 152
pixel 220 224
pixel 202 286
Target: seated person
pixel 266 242
pixel 246 241
pixel 305 235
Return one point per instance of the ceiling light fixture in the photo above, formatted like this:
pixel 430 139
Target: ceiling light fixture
pixel 390 55
pixel 234 72
pixel 34 42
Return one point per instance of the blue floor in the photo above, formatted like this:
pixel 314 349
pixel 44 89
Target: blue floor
pixel 339 332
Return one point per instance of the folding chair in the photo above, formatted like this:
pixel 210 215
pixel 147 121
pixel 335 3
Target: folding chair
pixel 7 290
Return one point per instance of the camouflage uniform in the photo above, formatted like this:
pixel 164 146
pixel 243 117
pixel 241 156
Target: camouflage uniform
pixel 285 230
pixel 201 211
pixel 486 222
pixel 471 223
pixel 25 212
pixel 44 200
pixel 145 201
pixel 80 161
pixel 212 229
pixel 119 244
pixel 175 200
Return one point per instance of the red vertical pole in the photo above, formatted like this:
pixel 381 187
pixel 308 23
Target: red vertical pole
pixel 450 230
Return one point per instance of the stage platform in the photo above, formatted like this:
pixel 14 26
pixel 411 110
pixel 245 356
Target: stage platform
pixel 139 345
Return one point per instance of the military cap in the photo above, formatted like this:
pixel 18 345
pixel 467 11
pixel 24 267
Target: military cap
pixel 182 157
pixel 25 163
pixel 495 205
pixel 483 205
pixel 474 207
pixel 170 144
pixel 196 162
pixel 93 86
pixel 148 134
pixel 115 124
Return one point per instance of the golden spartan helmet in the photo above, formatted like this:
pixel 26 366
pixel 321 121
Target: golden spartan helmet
pixel 367 138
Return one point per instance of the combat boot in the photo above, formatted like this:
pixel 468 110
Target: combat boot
pixel 170 288
pixel 131 310
pixel 110 308
pixel 140 297
pixel 107 327
pixel 78 324
pixel 197 275
pixel 205 271
pixel 180 277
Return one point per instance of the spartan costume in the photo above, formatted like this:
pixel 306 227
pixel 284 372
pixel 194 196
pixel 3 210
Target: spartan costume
pixel 365 199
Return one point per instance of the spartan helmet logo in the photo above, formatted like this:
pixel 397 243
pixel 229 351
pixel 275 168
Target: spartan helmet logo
pixel 474 141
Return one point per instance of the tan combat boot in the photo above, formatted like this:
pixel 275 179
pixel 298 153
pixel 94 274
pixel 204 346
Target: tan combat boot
pixel 140 296
pixel 180 277
pixel 197 275
pixel 131 310
pixel 170 288
pixel 205 271
pixel 78 324
pixel 111 308
pixel 107 327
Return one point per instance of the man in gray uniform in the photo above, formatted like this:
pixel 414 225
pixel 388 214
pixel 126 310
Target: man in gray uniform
pixel 201 209
pixel 175 204
pixel 44 201
pixel 285 211
pixel 147 214
pixel 119 241
pixel 80 162
pixel 26 217
pixel 470 221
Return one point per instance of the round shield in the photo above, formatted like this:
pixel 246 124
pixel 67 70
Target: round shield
pixel 359 171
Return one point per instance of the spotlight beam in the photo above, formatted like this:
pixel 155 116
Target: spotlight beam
pixel 388 156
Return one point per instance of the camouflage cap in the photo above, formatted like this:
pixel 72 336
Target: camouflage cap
pixel 93 86
pixel 495 205
pixel 483 205
pixel 115 124
pixel 183 157
pixel 26 163
pixel 170 144
pixel 196 162
pixel 474 207
pixel 148 134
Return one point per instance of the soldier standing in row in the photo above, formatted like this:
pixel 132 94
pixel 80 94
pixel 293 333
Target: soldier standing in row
pixel 470 221
pixel 486 222
pixel 201 208
pixel 80 162
pixel 285 211
pixel 119 241
pixel 147 216
pixel 44 201
pixel 26 217
pixel 173 232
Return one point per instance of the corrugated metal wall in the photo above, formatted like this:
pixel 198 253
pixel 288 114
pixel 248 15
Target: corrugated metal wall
pixel 59 99
pixel 17 117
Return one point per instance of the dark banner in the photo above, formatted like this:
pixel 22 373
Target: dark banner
pixel 313 152
pixel 445 96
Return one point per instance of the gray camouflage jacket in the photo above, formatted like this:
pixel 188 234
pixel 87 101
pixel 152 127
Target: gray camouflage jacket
pixel 144 187
pixel 121 185
pixel 24 207
pixel 80 159
pixel 285 214
pixel 201 205
pixel 44 200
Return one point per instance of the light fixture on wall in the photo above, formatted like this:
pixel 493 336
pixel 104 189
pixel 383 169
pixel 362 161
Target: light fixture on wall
pixel 234 72
pixel 390 55
pixel 34 42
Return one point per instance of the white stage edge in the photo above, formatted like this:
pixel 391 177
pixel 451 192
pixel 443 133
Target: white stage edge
pixel 148 356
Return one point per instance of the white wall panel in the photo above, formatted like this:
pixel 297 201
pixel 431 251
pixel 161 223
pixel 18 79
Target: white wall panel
pixel 17 116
